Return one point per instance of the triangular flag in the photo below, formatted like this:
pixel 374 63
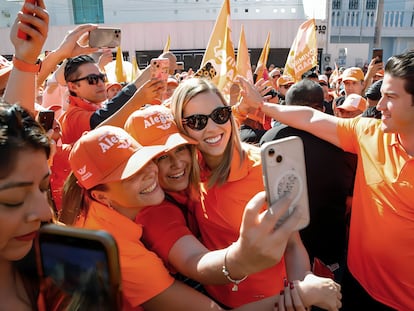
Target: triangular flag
pixel 220 51
pixel 303 54
pixel 119 68
pixel 261 63
pixel 135 69
pixel 167 45
pixel 243 63
pixel 334 75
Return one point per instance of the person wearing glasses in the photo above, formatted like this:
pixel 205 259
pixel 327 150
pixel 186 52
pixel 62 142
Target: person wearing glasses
pixel 88 104
pixel 171 230
pixel 230 173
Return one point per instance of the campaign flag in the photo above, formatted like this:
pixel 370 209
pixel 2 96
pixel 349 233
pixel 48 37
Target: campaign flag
pixel 261 63
pixel 119 68
pixel 243 63
pixel 135 72
pixel 335 74
pixel 167 45
pixel 303 54
pixel 220 51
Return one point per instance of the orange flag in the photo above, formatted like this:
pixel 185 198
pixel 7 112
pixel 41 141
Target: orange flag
pixel 220 51
pixel 261 63
pixel 119 68
pixel 243 63
pixel 303 54
pixel 167 45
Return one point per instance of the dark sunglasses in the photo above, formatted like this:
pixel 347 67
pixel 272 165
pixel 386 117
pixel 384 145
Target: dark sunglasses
pixel 92 79
pixel 198 122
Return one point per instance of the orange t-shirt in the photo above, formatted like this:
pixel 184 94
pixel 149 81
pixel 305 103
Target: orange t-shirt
pixel 143 273
pixel 381 240
pixel 219 221
pixel 163 225
pixel 77 119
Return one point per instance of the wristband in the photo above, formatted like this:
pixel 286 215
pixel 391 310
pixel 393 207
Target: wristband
pixel 226 273
pixel 26 67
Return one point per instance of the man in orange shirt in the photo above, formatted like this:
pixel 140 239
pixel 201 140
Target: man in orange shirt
pixel 380 252
pixel 88 107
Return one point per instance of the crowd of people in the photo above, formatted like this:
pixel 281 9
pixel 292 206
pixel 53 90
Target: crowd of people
pixel 172 170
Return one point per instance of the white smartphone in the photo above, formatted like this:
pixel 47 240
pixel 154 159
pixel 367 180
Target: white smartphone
pixel 160 68
pixel 284 171
pixel 81 266
pixel 105 38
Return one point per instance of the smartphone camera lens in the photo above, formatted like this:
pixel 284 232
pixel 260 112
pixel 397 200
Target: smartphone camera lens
pixel 279 158
pixel 271 152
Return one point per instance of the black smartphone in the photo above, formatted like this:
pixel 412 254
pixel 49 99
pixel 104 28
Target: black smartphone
pixel 377 53
pixel 105 38
pixel 81 266
pixel 46 118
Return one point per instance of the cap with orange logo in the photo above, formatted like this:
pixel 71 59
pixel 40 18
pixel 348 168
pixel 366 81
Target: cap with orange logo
pixel 156 125
pixel 108 154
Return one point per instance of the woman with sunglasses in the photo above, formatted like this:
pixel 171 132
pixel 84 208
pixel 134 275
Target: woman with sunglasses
pixel 113 179
pixel 170 229
pixel 231 175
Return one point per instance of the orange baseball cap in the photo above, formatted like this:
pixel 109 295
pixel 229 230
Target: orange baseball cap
pixel 353 74
pixel 285 80
pixel 354 102
pixel 106 154
pixel 155 125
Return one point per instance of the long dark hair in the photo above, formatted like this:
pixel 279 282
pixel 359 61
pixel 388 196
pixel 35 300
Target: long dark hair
pixel 19 132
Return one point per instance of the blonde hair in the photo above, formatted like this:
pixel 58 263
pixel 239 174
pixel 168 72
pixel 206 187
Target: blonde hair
pixel 187 90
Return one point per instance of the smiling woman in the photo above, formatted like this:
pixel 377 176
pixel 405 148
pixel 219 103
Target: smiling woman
pixel 24 181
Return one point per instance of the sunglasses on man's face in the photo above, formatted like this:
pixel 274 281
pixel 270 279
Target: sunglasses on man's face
pixel 198 122
pixel 93 78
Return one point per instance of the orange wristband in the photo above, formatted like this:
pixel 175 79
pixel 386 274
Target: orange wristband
pixel 26 67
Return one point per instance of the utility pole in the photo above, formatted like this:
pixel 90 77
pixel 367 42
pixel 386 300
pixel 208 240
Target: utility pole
pixel 378 24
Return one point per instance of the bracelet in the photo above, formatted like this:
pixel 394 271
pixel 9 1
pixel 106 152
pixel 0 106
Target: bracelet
pixel 226 273
pixel 26 67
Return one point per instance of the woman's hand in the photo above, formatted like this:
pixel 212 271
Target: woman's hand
pixel 260 244
pixel 322 292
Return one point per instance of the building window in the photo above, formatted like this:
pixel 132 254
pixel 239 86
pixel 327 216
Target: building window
pixel 336 4
pixel 371 4
pixel 88 11
pixel 353 4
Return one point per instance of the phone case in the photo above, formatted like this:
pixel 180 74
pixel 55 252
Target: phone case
pixel 377 53
pixel 284 171
pixel 159 68
pixel 81 265
pixel 105 38
pixel 20 33
pixel 46 118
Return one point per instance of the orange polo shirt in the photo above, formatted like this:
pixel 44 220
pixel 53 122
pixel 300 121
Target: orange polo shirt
pixel 219 222
pixel 143 273
pixel 381 240
pixel 77 119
